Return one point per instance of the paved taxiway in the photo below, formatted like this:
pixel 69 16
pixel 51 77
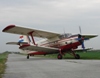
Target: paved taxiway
pixel 20 67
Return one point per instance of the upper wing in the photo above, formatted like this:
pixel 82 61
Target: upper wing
pixel 16 43
pixel 88 36
pixel 25 31
pixel 39 48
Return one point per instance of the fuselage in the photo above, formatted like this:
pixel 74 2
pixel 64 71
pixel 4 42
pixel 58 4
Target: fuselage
pixel 65 44
pixel 58 43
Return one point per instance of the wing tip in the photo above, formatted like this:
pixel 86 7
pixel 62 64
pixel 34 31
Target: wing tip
pixel 8 27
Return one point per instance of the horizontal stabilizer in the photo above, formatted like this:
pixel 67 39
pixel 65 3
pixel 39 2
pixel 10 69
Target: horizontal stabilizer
pixel 16 43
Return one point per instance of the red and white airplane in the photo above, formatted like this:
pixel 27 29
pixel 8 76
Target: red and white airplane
pixel 52 42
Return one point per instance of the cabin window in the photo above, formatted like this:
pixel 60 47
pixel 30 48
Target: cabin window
pixel 66 35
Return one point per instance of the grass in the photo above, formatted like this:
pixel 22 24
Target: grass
pixel 3 59
pixel 90 55
pixel 84 55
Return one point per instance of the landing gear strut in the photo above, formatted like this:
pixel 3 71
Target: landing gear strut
pixel 28 56
pixel 60 56
pixel 77 56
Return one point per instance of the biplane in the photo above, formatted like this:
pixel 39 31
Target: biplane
pixel 52 43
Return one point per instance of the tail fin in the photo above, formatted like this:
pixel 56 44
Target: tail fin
pixel 23 38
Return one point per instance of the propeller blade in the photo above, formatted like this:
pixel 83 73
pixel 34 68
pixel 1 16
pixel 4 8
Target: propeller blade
pixel 80 30
pixel 83 45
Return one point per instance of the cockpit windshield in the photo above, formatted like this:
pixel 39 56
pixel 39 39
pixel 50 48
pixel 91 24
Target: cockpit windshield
pixel 66 35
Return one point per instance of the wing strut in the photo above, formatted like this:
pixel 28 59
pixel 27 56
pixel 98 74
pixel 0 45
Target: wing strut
pixel 30 33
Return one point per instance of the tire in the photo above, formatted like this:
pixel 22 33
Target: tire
pixel 77 56
pixel 44 54
pixel 59 56
pixel 27 56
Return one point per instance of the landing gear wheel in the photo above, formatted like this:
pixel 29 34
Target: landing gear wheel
pixel 59 56
pixel 77 56
pixel 27 56
pixel 44 54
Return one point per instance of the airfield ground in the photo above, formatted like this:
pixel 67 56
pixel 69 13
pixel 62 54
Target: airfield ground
pixel 38 67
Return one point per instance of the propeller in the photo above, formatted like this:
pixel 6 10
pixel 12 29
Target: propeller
pixel 80 30
pixel 81 39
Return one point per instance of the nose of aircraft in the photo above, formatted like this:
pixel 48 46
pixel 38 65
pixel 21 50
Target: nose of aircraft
pixel 81 40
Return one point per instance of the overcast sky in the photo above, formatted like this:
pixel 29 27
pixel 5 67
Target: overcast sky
pixel 50 15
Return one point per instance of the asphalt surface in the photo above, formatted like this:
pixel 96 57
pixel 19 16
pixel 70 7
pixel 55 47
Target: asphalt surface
pixel 20 67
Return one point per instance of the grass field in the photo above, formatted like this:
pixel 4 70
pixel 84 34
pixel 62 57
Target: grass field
pixel 84 55
pixel 3 59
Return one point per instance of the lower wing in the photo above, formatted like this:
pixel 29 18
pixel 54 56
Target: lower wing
pixel 89 36
pixel 39 48
pixel 81 50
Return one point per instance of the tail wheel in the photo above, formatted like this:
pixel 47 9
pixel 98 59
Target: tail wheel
pixel 27 56
pixel 59 56
pixel 77 56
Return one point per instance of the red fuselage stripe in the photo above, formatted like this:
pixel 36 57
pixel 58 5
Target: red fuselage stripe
pixel 59 41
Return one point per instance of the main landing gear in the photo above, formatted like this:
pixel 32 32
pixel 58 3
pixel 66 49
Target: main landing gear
pixel 77 56
pixel 60 55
